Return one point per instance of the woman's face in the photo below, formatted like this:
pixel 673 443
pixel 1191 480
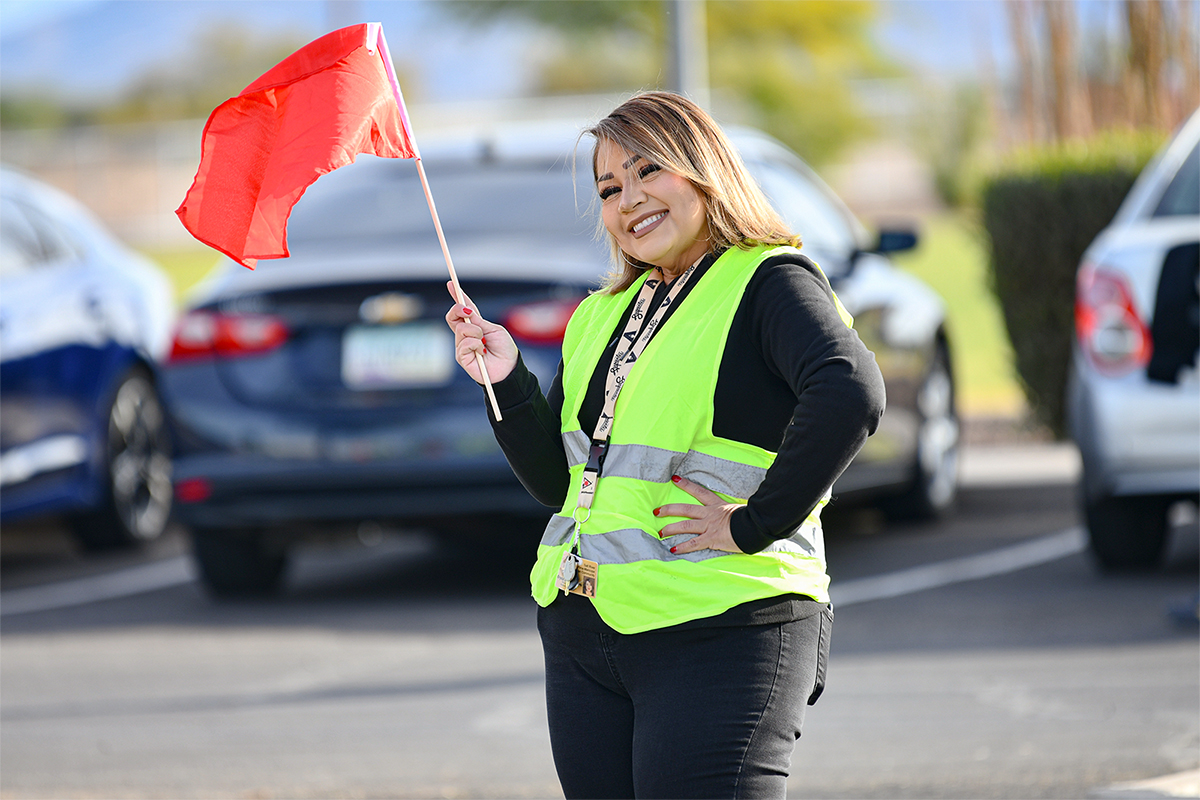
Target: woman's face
pixel 654 215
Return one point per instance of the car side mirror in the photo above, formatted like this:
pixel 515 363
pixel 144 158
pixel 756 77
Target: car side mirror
pixel 895 240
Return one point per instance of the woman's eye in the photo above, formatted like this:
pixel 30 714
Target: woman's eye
pixel 608 191
pixel 648 170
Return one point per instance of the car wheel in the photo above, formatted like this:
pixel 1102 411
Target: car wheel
pixel 137 503
pixel 935 481
pixel 238 564
pixel 1127 533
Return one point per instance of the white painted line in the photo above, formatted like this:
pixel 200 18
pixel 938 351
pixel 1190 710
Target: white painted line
pixel 180 570
pixel 124 583
pixel 958 570
pixel 1181 784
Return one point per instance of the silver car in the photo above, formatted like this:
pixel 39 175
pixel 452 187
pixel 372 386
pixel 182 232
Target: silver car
pixel 1134 396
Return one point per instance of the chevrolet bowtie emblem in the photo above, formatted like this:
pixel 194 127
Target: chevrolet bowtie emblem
pixel 390 308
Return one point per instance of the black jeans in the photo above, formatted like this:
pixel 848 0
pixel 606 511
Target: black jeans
pixel 697 713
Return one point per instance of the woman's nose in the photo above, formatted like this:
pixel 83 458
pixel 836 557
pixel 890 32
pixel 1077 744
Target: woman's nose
pixel 632 196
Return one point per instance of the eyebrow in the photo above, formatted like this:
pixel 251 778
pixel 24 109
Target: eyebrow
pixel 608 176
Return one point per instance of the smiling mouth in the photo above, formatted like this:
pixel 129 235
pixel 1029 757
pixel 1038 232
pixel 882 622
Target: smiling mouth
pixel 647 222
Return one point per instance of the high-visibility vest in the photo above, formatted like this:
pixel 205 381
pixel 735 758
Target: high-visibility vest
pixel 663 426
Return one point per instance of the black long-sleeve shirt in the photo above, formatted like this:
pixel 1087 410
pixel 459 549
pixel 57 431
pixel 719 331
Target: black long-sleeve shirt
pixel 793 379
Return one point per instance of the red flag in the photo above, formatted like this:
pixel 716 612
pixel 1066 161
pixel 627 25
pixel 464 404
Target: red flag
pixel 313 112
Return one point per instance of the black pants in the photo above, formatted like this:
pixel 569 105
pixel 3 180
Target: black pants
pixel 697 713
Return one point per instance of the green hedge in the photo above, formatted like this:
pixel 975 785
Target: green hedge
pixel 1041 209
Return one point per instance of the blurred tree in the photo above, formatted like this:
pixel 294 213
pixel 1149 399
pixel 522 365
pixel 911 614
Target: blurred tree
pixel 948 132
pixel 1145 74
pixel 37 108
pixel 797 63
pixel 794 63
pixel 1070 100
pixel 222 61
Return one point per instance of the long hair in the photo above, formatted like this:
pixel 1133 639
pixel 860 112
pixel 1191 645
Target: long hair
pixel 675 133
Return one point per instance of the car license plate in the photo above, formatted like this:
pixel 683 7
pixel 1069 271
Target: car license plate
pixel 397 356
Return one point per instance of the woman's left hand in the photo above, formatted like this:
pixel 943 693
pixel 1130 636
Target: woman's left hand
pixel 709 521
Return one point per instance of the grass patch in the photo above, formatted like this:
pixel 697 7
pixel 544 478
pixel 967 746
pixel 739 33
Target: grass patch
pixel 184 266
pixel 952 259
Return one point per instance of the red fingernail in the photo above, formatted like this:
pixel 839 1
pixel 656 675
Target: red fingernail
pixel 672 549
pixel 676 478
pixel 655 512
pixel 467 311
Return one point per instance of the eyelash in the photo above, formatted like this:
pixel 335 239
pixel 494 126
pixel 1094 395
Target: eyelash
pixel 643 173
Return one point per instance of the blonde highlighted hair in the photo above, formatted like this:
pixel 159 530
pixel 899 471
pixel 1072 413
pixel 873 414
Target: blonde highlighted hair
pixel 669 130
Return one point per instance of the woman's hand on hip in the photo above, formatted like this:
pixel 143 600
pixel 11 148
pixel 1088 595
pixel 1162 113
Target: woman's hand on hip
pixel 709 521
pixel 474 334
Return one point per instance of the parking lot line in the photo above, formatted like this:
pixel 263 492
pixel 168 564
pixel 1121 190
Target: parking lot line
pixel 958 570
pixel 163 574
pixel 180 570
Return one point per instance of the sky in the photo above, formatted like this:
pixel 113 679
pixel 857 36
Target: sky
pixel 88 48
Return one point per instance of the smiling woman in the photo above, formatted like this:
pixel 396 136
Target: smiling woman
pixel 689 532
pixel 720 203
pixel 654 216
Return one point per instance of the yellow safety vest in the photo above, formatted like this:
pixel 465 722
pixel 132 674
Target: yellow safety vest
pixel 663 426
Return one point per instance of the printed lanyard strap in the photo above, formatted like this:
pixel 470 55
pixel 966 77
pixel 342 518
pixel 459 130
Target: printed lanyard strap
pixel 629 349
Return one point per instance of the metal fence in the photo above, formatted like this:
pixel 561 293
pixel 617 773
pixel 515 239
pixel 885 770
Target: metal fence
pixel 131 176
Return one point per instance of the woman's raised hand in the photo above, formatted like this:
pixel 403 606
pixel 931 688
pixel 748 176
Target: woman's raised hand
pixel 473 334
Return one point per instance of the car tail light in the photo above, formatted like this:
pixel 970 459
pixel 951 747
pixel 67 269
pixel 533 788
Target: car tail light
pixel 543 322
pixel 205 334
pixel 193 490
pixel 1107 325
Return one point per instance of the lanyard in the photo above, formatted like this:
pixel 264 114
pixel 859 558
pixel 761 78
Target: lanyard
pixel 629 349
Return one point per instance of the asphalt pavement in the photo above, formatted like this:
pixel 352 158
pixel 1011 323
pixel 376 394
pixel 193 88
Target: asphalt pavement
pixel 1023 673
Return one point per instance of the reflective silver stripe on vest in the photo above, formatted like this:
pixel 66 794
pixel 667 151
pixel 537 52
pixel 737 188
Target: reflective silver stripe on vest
pixel 577 444
pixel 657 465
pixel 628 545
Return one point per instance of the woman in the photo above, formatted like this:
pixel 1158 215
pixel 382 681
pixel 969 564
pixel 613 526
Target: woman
pixel 684 607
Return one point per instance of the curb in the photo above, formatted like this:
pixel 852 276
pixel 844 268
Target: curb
pixel 1034 463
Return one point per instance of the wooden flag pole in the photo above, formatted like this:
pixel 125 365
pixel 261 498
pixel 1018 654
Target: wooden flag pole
pixel 458 292
pixel 385 54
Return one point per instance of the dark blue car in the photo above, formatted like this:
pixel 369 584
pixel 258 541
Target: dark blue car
pixel 82 322
pixel 319 392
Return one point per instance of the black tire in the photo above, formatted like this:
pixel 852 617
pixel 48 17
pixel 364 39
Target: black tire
pixel 137 479
pixel 1127 533
pixel 238 564
pixel 934 486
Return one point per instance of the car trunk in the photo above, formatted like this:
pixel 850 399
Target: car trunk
pixel 361 347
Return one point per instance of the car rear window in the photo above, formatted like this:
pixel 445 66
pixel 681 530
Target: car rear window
pixel 1182 197
pixel 472 200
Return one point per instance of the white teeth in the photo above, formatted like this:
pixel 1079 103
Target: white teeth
pixel 649 221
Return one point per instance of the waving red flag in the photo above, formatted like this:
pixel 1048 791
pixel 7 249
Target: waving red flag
pixel 313 112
